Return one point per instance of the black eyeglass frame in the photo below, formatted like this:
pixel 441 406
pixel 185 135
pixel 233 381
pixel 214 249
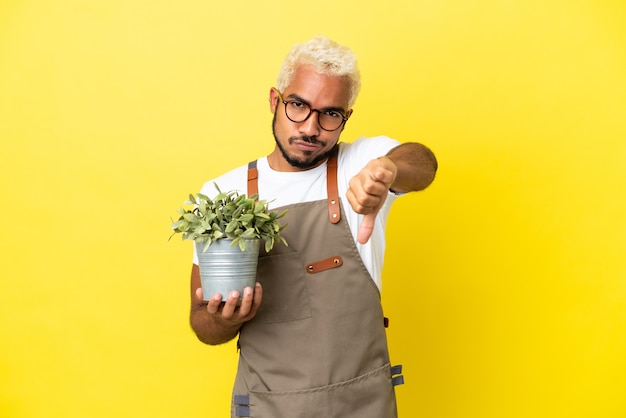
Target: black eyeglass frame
pixel 344 119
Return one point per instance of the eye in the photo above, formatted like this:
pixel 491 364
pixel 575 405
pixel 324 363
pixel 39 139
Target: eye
pixel 297 105
pixel 333 114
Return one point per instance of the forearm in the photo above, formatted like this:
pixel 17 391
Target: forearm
pixel 210 329
pixel 416 167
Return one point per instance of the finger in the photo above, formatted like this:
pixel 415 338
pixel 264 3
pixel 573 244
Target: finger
pixel 214 303
pixel 258 296
pixel 231 304
pixel 256 302
pixel 367 227
pixel 364 203
pixel 246 302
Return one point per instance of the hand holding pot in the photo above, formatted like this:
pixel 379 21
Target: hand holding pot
pixel 234 312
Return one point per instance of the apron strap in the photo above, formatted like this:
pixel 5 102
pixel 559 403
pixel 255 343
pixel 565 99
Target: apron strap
pixel 334 208
pixel 253 178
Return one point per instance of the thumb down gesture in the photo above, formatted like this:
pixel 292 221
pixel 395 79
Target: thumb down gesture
pixel 368 191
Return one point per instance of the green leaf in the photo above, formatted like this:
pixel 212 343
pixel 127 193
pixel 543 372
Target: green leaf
pixel 248 217
pixel 249 233
pixel 190 200
pixel 232 225
pixel 238 211
pixel 190 217
pixel 202 207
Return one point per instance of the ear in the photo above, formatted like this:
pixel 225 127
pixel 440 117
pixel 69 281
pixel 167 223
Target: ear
pixel 348 114
pixel 273 99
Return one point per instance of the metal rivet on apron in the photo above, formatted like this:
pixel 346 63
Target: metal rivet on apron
pixel 334 215
pixel 336 261
pixel 333 202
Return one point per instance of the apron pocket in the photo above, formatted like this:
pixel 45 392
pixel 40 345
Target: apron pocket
pixel 368 396
pixel 286 299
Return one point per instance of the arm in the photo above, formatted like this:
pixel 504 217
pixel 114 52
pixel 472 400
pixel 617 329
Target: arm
pixel 215 322
pixel 416 166
pixel 406 168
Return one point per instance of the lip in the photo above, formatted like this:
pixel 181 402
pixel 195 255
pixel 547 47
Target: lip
pixel 306 146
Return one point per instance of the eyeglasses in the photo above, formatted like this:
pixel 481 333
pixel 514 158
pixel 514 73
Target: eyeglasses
pixel 297 111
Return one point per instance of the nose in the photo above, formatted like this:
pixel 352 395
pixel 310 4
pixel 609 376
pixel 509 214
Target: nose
pixel 311 126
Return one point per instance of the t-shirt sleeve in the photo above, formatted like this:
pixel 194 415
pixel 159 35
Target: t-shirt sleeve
pixel 363 150
pixel 366 149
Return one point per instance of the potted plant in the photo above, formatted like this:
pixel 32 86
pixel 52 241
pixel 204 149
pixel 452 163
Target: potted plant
pixel 227 231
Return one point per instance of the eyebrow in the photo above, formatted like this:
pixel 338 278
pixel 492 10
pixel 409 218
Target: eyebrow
pixel 331 108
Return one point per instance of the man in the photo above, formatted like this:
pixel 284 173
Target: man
pixel 311 333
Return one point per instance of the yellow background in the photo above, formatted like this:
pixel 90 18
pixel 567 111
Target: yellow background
pixel 505 281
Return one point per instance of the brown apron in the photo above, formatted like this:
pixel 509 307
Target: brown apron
pixel 317 346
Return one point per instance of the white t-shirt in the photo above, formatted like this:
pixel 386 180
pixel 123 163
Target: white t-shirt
pixel 285 188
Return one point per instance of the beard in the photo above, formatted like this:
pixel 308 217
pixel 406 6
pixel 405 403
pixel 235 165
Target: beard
pixel 300 163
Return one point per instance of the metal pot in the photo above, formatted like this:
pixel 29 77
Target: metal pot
pixel 224 268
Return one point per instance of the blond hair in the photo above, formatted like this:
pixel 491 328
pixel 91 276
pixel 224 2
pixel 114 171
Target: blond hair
pixel 327 57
